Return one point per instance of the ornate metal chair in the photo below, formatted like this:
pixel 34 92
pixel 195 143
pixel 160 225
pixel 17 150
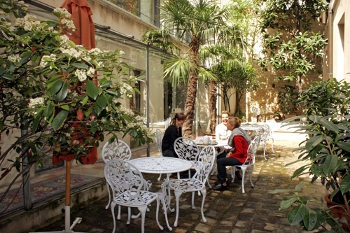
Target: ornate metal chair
pixel 185 148
pixel 267 134
pixel 249 162
pixel 129 189
pixel 203 164
pixel 118 149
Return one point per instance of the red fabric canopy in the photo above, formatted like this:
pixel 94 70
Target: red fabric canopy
pixel 81 15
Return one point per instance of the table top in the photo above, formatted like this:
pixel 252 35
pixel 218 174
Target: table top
pixel 159 165
pixel 214 144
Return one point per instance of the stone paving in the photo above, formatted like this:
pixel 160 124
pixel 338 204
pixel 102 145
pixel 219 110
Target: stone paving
pixel 255 211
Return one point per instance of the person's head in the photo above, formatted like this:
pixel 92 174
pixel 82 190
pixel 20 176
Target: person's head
pixel 178 119
pixel 224 117
pixel 233 122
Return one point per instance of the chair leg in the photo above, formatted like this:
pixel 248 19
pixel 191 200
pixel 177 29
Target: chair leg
pixel 142 210
pixel 204 194
pixel 113 216
pixel 243 168
pixel 264 150
pixel 129 214
pixel 157 213
pixel 163 200
pixel 273 140
pixel 109 195
pixel 193 207
pixel 160 176
pixel 233 173
pixel 251 174
pixel 119 212
pixel 177 198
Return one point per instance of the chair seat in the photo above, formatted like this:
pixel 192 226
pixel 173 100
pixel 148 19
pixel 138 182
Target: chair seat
pixel 186 184
pixel 133 200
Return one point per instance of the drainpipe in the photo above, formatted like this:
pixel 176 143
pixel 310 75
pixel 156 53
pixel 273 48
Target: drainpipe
pixel 330 39
pixel 147 95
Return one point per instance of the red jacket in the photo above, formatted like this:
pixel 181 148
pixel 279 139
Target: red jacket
pixel 240 150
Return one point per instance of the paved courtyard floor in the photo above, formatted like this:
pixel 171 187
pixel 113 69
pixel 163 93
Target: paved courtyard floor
pixel 255 211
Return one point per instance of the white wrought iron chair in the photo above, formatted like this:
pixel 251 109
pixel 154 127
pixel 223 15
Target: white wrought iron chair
pixel 266 135
pixel 129 189
pixel 185 148
pixel 203 165
pixel 118 149
pixel 248 163
pixel 159 139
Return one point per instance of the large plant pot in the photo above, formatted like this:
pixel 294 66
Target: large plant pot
pixel 338 211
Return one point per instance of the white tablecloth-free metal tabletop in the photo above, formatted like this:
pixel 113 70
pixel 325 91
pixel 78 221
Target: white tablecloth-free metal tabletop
pixel 161 165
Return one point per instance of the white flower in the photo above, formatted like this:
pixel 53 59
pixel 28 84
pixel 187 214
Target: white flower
pixel 91 72
pixel 122 52
pixel 95 51
pixel 62 12
pixel 45 59
pixel 71 52
pixel 64 39
pixel 81 74
pixel 36 101
pixel 69 23
pixel 14 58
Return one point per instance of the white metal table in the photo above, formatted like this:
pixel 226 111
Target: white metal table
pixel 161 165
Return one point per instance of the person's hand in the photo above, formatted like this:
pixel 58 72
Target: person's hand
pixel 228 155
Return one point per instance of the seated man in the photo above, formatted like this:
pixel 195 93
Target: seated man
pixel 239 142
pixel 221 132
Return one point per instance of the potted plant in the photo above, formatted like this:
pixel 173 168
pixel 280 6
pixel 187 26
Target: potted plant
pixel 49 92
pixel 326 152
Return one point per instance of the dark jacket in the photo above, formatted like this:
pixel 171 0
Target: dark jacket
pixel 170 135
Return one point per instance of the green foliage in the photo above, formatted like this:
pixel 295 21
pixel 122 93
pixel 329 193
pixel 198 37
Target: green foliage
pixel 326 149
pixel 49 88
pixel 288 99
pixel 288 43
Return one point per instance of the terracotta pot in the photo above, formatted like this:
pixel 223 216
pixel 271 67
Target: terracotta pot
pixel 338 211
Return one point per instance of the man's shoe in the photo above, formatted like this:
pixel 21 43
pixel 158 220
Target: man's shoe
pixel 220 187
pixel 218 182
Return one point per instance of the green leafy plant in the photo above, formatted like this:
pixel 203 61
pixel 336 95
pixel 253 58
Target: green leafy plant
pixel 288 99
pixel 326 152
pixel 59 94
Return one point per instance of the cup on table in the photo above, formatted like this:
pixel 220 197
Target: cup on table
pixel 206 139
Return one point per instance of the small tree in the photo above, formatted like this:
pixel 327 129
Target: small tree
pixel 292 50
pixel 48 92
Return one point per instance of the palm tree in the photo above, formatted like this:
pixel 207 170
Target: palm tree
pixel 196 23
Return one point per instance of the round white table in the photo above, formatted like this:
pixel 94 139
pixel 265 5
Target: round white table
pixel 161 165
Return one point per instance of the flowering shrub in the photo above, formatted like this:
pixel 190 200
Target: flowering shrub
pixel 49 88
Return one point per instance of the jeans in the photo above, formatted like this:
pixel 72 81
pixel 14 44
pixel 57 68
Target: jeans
pixel 169 153
pixel 222 162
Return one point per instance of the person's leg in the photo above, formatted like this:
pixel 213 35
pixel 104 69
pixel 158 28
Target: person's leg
pixel 169 153
pixel 222 175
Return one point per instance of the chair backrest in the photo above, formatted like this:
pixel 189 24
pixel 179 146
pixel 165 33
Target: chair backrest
pixel 252 148
pixel 204 163
pixel 123 177
pixel 265 134
pixel 186 148
pixel 159 139
pixel 118 149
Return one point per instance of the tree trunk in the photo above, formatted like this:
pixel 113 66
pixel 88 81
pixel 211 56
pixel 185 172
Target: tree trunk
pixel 189 104
pixel 212 105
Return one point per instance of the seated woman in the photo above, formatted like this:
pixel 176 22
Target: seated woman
pixel 173 132
pixel 239 141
